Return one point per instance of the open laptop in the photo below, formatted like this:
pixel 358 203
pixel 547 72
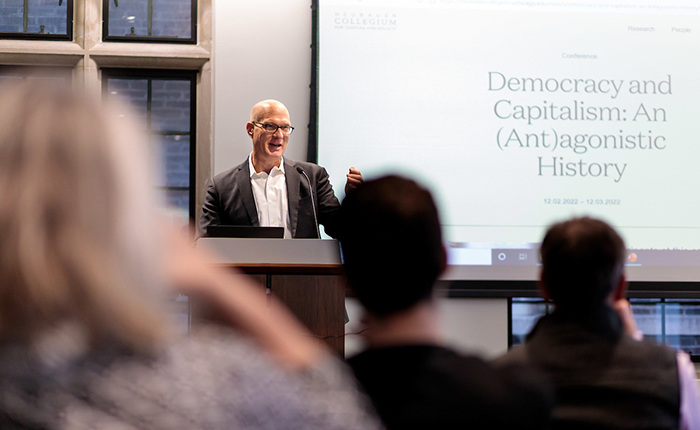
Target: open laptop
pixel 245 231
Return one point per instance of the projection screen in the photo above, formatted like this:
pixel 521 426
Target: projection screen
pixel 518 114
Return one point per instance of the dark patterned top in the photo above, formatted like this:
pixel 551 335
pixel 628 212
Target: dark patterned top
pixel 212 380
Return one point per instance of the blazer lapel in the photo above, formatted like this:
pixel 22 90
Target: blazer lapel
pixel 243 179
pixel 292 179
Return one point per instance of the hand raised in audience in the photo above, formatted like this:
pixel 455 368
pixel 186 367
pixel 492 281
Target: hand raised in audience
pixel 629 326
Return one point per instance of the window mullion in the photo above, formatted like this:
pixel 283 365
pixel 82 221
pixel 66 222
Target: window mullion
pixel 150 17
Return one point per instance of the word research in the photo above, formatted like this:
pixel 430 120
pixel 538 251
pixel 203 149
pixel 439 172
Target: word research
pixel 559 167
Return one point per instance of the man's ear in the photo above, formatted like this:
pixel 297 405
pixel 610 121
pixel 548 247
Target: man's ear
pixel 249 128
pixel 443 265
pixel 544 291
pixel 621 289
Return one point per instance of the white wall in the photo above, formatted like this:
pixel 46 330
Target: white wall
pixel 472 326
pixel 261 50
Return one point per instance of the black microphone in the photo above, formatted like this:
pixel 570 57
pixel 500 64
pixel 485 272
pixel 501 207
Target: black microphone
pixel 313 202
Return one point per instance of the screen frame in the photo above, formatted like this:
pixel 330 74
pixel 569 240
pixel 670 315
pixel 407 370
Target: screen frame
pixel 468 281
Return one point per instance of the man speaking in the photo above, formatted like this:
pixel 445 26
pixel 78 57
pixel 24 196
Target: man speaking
pixel 270 191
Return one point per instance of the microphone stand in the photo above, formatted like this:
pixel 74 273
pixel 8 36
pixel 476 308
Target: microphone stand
pixel 313 201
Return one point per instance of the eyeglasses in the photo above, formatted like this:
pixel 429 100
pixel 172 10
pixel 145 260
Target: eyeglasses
pixel 272 128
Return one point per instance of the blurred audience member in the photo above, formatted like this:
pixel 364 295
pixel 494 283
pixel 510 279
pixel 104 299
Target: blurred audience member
pixel 83 341
pixel 393 253
pixel 604 375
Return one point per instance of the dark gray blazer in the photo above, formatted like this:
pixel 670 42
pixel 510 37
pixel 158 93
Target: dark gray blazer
pixel 230 200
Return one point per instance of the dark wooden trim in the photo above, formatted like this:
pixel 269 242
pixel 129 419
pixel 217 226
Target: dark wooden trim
pixel 505 289
pixel 312 143
pixel 318 302
pixel 289 269
pixel 510 322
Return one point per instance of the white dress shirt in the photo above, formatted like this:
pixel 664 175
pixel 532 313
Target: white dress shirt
pixel 270 194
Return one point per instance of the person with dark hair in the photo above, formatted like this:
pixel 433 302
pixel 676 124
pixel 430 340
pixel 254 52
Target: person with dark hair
pixel 393 254
pixel 583 261
pixel 603 374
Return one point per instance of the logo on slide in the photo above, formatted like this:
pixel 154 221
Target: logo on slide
pixel 364 21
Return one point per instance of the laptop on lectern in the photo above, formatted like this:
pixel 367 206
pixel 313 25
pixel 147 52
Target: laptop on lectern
pixel 245 231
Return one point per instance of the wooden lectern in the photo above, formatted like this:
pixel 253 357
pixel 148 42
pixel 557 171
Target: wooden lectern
pixel 305 274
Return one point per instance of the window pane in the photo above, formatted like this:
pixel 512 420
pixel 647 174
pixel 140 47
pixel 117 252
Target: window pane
pixel 172 18
pixel 175 151
pixel 11 15
pixel 49 14
pixel 649 318
pixel 163 105
pixel 131 91
pixel 177 205
pixel 170 106
pixel 179 199
pixel 525 314
pixel 34 16
pixel 127 15
pixel 683 326
pixel 673 322
pixel 165 18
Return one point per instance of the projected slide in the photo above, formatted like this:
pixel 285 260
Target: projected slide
pixel 518 114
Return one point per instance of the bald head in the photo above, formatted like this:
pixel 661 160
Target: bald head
pixel 268 147
pixel 267 108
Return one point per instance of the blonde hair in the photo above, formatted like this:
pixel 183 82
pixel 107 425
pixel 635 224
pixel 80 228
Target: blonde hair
pixel 76 227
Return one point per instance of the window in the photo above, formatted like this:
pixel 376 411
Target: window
pixel 184 138
pixel 165 101
pixel 169 78
pixel 160 21
pixel 674 322
pixel 524 313
pixel 36 19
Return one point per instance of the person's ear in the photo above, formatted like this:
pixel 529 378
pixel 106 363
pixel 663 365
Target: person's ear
pixel 621 289
pixel 443 257
pixel 249 128
pixel 544 291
